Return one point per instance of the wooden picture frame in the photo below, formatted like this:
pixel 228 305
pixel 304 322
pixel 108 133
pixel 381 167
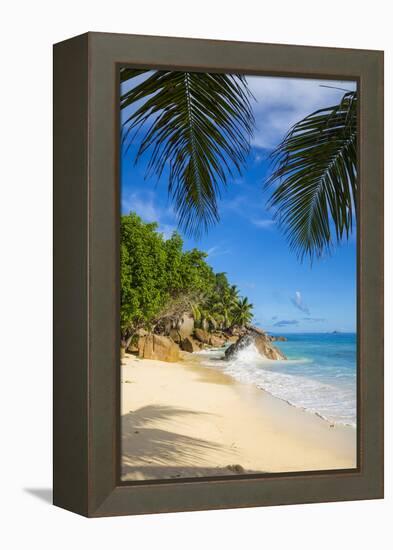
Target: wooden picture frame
pixel 86 275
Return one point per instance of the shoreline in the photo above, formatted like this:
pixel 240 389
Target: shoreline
pixel 197 359
pixel 208 362
pixel 186 420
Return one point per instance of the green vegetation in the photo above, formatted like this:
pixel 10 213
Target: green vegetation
pixel 160 282
pixel 316 172
pixel 223 308
pixel 200 125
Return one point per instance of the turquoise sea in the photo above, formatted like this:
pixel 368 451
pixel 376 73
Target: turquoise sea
pixel 319 375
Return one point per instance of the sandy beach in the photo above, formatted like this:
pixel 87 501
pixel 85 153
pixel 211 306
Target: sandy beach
pixel 184 420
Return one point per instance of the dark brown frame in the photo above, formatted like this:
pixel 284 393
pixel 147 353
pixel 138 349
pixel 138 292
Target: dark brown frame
pixel 86 289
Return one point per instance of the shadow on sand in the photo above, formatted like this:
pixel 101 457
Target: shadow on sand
pixel 142 443
pixel 149 452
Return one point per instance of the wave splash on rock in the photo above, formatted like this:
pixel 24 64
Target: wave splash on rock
pixel 260 340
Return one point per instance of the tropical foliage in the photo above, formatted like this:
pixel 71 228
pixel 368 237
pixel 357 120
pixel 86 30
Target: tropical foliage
pixel 195 129
pixel 242 312
pixel 315 170
pixel 160 282
pixel 223 308
pixel 197 126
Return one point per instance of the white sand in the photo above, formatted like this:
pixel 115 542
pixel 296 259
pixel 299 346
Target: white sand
pixel 184 420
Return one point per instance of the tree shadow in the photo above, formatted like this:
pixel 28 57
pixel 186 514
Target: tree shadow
pixel 144 445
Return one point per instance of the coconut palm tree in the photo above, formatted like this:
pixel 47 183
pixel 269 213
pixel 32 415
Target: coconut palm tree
pixel 315 169
pixel 204 317
pixel 233 292
pixel 242 312
pixel 197 126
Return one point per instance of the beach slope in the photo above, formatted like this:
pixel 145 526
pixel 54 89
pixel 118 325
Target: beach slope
pixel 184 420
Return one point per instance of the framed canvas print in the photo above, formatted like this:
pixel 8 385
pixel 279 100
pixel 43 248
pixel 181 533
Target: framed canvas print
pixel 218 274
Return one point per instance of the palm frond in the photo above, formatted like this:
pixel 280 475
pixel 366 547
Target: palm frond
pixel 315 167
pixel 199 126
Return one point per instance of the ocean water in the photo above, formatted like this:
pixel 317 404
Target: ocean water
pixel 319 375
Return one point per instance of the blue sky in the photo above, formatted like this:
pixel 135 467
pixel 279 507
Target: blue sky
pixel 246 244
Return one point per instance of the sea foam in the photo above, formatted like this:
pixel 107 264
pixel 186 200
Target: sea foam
pixel 326 390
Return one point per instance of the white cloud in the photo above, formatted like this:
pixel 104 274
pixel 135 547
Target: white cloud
pixel 249 284
pixel 280 102
pixel 166 229
pixel 145 205
pixel 263 223
pixel 285 323
pixel 213 251
pixel 216 251
pixel 236 204
pixel 297 301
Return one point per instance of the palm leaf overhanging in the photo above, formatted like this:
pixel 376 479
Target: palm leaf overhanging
pixel 315 168
pixel 198 125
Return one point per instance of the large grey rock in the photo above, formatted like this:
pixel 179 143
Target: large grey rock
pixel 175 335
pixel 260 340
pixel 133 346
pixel 190 344
pixel 217 340
pixel 202 335
pixel 186 325
pixel 161 348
